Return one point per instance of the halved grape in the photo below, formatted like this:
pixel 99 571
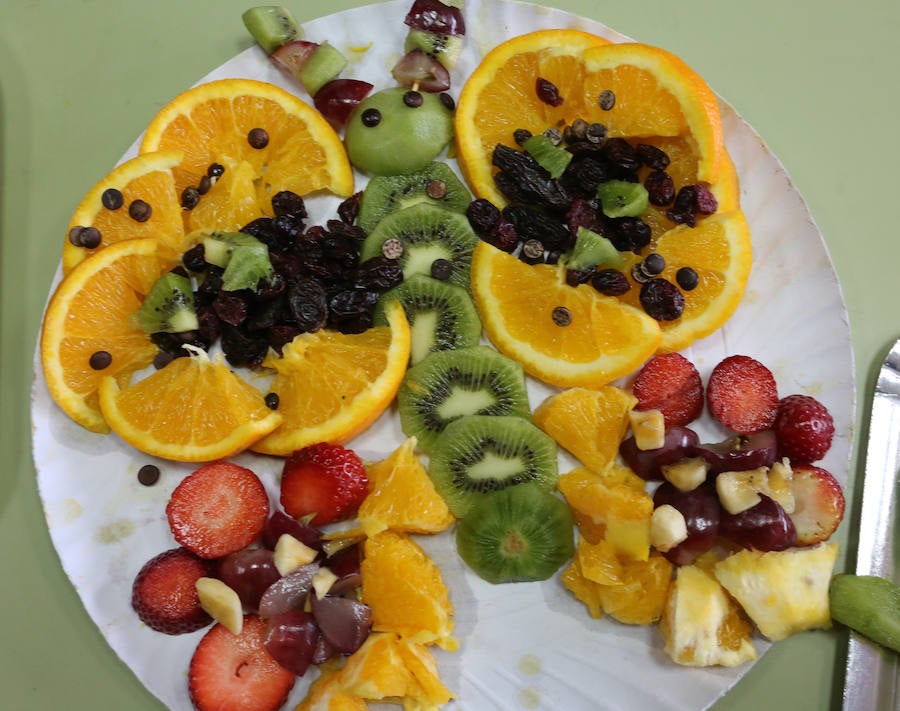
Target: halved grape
pixel 291 57
pixel 291 640
pixel 435 16
pixel 702 514
pixel 249 572
pixel 289 592
pixel 338 97
pixel 344 622
pixel 679 443
pixel 418 70
pixel 280 523
pixel 764 527
pixel 740 452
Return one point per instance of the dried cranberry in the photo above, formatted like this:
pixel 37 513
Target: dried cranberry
pixel 194 259
pixel 531 223
pixel 662 300
pixel 243 350
pixel 230 308
pixel 583 213
pixel 660 188
pixel 684 211
pixel 547 92
pixel 505 237
pixel 706 201
pixel 574 277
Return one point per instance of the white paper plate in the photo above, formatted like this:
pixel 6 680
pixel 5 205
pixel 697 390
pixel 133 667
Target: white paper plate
pixel 521 646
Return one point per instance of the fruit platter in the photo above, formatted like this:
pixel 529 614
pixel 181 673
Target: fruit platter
pixel 554 350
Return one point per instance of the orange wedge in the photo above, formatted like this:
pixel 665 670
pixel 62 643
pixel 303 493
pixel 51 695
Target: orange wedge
pixel 598 340
pixel 88 317
pixel 147 178
pixel 267 139
pixel 331 386
pixel 192 410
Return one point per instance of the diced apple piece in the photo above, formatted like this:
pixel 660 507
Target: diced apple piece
pixel 736 491
pixel 687 474
pixel 290 554
pixel 221 603
pixel 649 428
pixel 667 528
pixel 322 581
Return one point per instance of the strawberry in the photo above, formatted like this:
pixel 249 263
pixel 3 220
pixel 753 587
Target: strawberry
pixel 218 509
pixel 742 394
pixel 804 429
pixel 327 480
pixel 236 672
pixel 818 504
pixel 670 383
pixel 164 594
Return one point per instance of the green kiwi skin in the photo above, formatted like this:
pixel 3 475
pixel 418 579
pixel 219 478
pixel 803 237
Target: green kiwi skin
pixel 427 233
pixel 169 307
pixel 450 384
pixel 477 454
pixel 441 315
pixel 535 523
pixel 868 604
pixel 388 193
pixel 271 26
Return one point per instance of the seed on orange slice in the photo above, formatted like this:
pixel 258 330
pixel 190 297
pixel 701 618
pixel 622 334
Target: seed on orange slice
pixel 720 251
pixel 331 386
pixel 147 178
pixel 88 319
pixel 193 410
pixel 267 138
pixel 563 335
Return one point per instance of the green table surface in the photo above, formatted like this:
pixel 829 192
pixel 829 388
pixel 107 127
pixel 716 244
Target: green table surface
pixel 79 81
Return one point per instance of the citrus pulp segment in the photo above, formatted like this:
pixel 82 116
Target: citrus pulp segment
pixel 87 333
pixel 331 386
pixel 602 340
pixel 147 178
pixel 267 139
pixel 192 410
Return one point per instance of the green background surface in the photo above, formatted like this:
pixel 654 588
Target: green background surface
pixel 80 79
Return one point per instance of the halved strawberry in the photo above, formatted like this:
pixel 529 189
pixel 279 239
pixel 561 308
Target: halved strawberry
pixel 164 594
pixel 219 509
pixel 742 394
pixel 804 429
pixel 235 672
pixel 327 480
pixel 670 383
pixel 818 504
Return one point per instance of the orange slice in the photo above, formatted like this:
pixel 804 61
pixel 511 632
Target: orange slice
pixel 500 96
pixel 146 177
pixel 602 338
pixel 192 410
pixel 720 251
pixel 88 314
pixel 213 122
pixel 331 386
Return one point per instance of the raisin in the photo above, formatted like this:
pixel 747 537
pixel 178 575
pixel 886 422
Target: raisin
pixel 652 157
pixel 505 237
pixel 660 188
pixel 620 153
pixel 483 215
pixel 349 208
pixel 662 300
pixel 522 179
pixel 195 258
pixel 379 273
pixel 243 350
pixel 531 223
pixel 351 303
pixel 684 211
pixel 286 202
pixel 584 213
pixel 547 92
pixel 230 308
pixel 574 277
pixel 629 234
pixel 307 304
pixel 520 135
pixel 610 282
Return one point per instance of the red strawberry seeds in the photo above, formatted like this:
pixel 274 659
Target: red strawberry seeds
pixel 327 480
pixel 219 509
pixel 742 394
pixel 804 429
pixel 164 593
pixel 235 672
pixel 670 383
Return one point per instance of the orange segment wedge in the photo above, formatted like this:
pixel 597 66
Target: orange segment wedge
pixel 213 122
pixel 192 410
pixel 88 314
pixel 604 338
pixel 331 386
pixel 146 177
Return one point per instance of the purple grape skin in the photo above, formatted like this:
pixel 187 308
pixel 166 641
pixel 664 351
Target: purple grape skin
pixel 249 573
pixel 702 514
pixel 763 527
pixel 292 640
pixel 739 453
pixel 647 463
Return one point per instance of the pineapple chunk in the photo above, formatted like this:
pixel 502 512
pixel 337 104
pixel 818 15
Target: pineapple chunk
pixel 667 528
pixel 687 474
pixel 739 491
pixel 291 553
pixel 701 625
pixel 783 592
pixel 780 477
pixel 648 427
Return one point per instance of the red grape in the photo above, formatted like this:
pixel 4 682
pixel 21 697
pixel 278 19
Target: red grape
pixel 337 99
pixel 291 57
pixel 764 527
pixel 740 452
pixel 435 16
pixel 344 622
pixel 419 70
pixel 279 523
pixel 291 640
pixel 646 463
pixel 702 513
pixel 249 573
pixel 289 592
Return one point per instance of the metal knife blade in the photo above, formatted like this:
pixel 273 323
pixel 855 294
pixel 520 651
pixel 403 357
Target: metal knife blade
pixel 872 681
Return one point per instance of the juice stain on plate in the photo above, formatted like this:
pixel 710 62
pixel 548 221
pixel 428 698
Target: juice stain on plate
pixel 530 664
pixel 63 512
pixel 529 698
pixel 115 531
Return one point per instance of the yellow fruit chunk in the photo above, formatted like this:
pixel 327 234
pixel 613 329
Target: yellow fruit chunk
pixel 90 313
pixel 148 178
pixel 584 590
pixel 783 592
pixel 402 496
pixel 327 693
pixel 406 591
pixel 590 424
pixel 500 96
pixel 192 410
pixel 599 563
pixel 603 338
pixel 702 626
pixel 221 603
pixel 266 135
pixel 331 385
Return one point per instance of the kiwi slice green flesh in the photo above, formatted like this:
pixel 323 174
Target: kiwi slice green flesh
pixel 271 26
pixel 621 198
pixel 219 246
pixel 169 307
pixel 426 233
pixel 868 604
pixel 323 65
pixel 551 158
pixel 477 454
pixel 593 250
pixel 246 267
pixel 448 385
pixel 435 184
pixel 441 315
pixel 444 48
pixel 519 534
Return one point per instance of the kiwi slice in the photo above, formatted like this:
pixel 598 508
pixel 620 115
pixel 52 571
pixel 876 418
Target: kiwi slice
pixel 448 385
pixel 477 454
pixel 169 307
pixel 621 198
pixel 323 65
pixel 442 316
pixel 244 258
pixel 551 158
pixel 593 250
pixel 519 534
pixel 435 184
pixel 271 26
pixel 426 233
pixel 868 604
pixel 444 48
